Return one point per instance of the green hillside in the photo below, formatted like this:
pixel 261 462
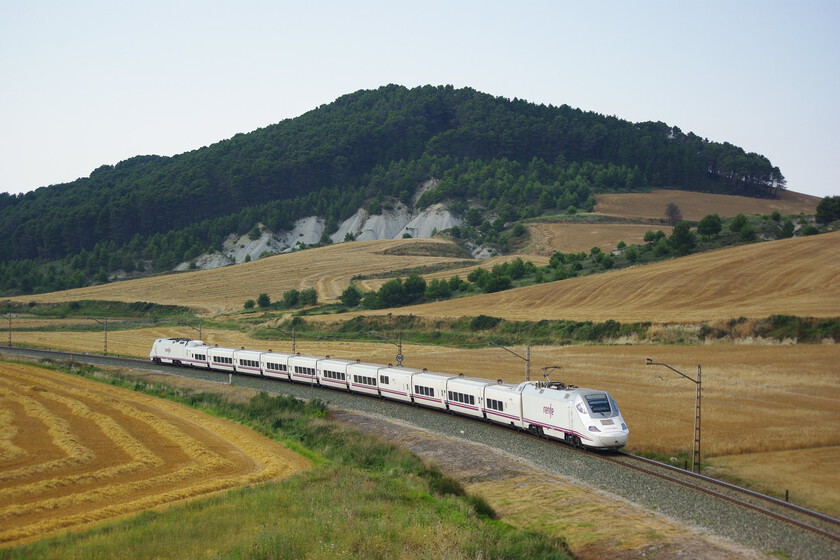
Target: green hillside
pixel 512 158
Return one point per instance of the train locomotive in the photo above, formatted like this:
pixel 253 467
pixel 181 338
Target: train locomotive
pixel 580 417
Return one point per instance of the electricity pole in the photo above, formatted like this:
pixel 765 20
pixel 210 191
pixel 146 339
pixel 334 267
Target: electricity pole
pixel 695 459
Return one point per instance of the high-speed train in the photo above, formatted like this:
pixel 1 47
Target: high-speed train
pixel 580 417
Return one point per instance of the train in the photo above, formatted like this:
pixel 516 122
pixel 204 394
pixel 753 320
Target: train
pixel 580 417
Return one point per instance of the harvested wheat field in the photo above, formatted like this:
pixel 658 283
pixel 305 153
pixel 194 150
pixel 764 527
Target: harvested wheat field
pixel 74 452
pixel 694 206
pixel 787 395
pixel 546 238
pixel 327 269
pixel 799 276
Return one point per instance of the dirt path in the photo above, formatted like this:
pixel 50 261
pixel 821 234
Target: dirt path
pixel 74 452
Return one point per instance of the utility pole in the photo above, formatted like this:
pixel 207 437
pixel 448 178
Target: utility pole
pixel 9 316
pixel 399 355
pixel 192 327
pixel 287 334
pixel 104 322
pixel 527 357
pixel 695 459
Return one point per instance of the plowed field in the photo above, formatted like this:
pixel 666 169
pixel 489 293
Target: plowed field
pixel 74 451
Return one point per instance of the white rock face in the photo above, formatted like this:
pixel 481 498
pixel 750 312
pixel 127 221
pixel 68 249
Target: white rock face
pixel 432 220
pixel 307 231
pixel 391 224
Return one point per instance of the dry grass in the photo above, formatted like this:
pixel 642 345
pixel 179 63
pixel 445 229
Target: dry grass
pixel 75 452
pixel 546 238
pixel 594 525
pixel 789 392
pixel 798 276
pixel 806 476
pixel 758 400
pixel 694 206
pixel 328 269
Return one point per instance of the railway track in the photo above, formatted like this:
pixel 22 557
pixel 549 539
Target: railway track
pixel 821 525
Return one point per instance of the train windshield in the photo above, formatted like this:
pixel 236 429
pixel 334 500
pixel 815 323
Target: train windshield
pixel 599 403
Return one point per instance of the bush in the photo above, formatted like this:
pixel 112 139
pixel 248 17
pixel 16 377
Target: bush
pixel 484 322
pixel 710 225
pixel 351 297
pixel 738 223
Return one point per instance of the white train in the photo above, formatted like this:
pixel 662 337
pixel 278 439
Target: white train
pixel 580 417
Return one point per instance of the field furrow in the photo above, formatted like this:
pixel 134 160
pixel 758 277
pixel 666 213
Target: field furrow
pixel 121 452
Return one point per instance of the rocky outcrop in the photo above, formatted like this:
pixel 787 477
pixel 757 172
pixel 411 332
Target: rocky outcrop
pixel 390 224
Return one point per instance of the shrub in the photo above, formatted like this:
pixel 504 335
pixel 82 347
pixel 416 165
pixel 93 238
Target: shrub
pixel 484 322
pixel 351 297
pixel 710 225
pixel 738 223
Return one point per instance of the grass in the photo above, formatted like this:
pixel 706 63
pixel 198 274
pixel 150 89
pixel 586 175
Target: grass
pixel 95 308
pixel 327 513
pixel 365 500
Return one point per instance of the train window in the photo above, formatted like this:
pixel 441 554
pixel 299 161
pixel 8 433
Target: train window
pixel 427 391
pixel 384 380
pixel 334 375
pixel 495 405
pixel 599 403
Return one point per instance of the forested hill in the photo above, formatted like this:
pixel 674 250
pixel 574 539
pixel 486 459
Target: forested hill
pixel 515 158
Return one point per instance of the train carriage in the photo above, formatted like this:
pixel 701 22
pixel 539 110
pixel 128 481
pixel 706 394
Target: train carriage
pixel 395 382
pixel 221 358
pixel 197 354
pixel 248 361
pixel 275 365
pixel 503 404
pixel 332 372
pixel 302 369
pixel 429 389
pixel 465 395
pixel 364 378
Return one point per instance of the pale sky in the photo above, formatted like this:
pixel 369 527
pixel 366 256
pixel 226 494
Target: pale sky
pixel 93 82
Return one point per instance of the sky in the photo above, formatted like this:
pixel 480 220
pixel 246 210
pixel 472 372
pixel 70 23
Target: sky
pixel 94 82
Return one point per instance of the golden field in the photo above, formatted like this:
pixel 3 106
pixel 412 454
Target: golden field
pixel 75 452
pixel 694 206
pixel 766 407
pixel 761 403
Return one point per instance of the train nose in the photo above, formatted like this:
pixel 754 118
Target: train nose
pixel 613 440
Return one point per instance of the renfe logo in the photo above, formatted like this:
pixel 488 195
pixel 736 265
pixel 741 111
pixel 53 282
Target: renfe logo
pixel 548 410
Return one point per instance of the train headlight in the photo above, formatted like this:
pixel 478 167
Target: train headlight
pixel 594 429
pixel 623 426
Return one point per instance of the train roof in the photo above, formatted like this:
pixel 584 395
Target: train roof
pixel 555 387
